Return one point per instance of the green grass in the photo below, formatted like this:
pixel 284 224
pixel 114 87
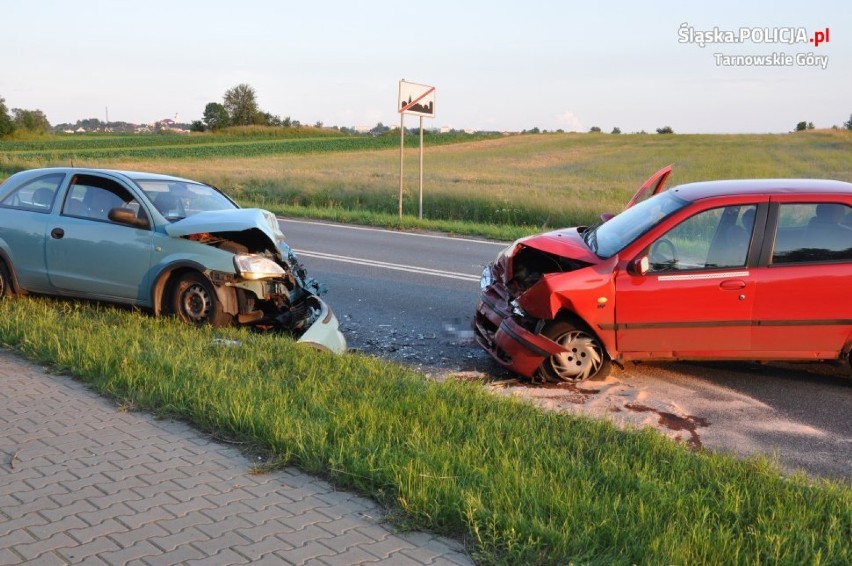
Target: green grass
pixel 521 485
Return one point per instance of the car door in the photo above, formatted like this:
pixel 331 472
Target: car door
pixel 27 211
pixel 90 255
pixel 696 297
pixel 803 308
pixel 654 185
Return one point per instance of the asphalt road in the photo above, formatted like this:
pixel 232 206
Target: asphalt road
pixel 404 296
pixel 409 297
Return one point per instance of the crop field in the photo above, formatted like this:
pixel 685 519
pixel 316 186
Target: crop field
pixel 196 146
pixel 499 186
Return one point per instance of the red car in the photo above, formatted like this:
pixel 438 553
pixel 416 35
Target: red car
pixel 755 269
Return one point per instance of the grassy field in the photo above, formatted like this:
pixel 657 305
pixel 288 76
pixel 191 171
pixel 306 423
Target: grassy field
pixel 502 187
pixel 520 485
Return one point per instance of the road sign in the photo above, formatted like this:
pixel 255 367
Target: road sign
pixel 416 99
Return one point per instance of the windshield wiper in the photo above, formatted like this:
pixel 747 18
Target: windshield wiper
pixel 590 236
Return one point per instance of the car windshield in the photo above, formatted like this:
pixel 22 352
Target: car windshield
pixel 611 237
pixel 178 199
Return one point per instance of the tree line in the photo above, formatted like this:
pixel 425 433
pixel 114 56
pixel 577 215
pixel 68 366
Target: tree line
pixel 20 119
pixel 239 107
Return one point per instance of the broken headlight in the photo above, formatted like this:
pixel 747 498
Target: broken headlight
pixel 257 267
pixel 487 278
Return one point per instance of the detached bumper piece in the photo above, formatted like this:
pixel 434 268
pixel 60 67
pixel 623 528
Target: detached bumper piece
pixel 324 333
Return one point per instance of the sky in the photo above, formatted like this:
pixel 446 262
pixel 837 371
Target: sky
pixel 496 65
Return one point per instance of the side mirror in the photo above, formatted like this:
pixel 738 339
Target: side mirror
pixel 126 216
pixel 639 266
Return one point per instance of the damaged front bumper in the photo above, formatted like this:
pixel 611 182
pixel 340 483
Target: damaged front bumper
pixel 500 332
pixel 324 333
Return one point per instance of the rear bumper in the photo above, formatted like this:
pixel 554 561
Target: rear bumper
pixel 505 339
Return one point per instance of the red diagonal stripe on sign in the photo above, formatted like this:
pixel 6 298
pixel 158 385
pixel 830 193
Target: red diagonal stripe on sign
pixel 418 99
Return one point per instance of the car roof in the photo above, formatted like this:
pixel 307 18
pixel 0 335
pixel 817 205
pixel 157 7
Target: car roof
pixel 131 175
pixel 707 189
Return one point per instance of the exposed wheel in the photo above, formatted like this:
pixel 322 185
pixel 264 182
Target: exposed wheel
pixel 194 301
pixel 585 357
pixel 5 282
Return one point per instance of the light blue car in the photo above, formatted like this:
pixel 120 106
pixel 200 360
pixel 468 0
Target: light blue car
pixel 170 245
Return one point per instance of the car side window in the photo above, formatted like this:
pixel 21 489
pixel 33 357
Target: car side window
pixel 712 239
pixel 36 196
pixel 93 197
pixel 813 232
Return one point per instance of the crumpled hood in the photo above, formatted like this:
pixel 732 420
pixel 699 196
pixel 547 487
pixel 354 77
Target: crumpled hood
pixel 566 242
pixel 235 220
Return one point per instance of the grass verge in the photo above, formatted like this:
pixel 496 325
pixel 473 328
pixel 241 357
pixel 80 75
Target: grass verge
pixel 522 485
pixel 392 221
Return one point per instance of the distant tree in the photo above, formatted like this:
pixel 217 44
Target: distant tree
pixel 272 119
pixel 616 130
pixel 286 122
pixel 379 129
pixel 318 124
pixel 7 126
pixel 594 129
pixel 197 126
pixel 30 120
pixel 241 104
pixel 801 126
pixel 665 130
pixel 90 124
pixel 810 125
pixel 215 116
pixel 847 125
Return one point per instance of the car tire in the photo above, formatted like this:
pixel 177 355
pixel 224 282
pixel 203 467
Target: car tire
pixel 194 301
pixel 6 289
pixel 585 359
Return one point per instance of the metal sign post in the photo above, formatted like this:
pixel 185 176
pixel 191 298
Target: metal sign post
pixel 420 209
pixel 419 100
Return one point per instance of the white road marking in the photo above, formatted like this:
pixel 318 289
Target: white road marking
pixel 386 265
pixel 438 236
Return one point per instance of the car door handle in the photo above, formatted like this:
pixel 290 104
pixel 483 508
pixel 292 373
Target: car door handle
pixel 732 285
pixel 57 233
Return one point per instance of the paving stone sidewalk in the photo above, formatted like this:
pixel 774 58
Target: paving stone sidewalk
pixel 82 482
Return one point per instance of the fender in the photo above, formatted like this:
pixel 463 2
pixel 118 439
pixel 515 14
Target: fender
pixel 226 295
pixel 587 294
pixel 13 276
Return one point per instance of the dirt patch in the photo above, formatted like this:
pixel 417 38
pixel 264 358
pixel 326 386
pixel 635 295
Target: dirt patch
pixel 625 404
